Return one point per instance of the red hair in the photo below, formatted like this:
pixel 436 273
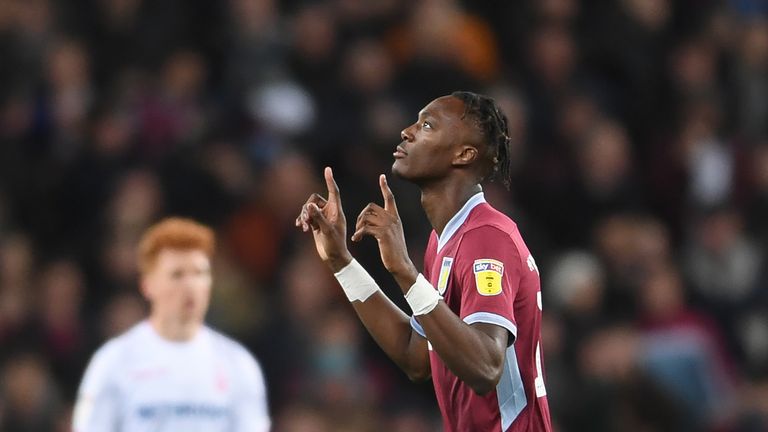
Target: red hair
pixel 174 233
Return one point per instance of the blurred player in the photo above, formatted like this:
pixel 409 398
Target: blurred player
pixel 171 372
pixel 476 321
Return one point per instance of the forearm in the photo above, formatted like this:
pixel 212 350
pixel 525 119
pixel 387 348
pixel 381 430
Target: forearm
pixel 391 329
pixel 388 325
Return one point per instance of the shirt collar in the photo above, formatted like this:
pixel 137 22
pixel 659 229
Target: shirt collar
pixel 458 219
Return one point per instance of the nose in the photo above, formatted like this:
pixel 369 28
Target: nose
pixel 406 134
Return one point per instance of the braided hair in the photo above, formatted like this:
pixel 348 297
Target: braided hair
pixel 493 125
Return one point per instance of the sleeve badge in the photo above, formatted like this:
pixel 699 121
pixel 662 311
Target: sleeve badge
pixel 488 273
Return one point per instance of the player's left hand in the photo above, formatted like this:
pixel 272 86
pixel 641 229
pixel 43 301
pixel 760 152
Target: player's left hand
pixel 384 224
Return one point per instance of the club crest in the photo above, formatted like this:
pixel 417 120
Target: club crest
pixel 445 273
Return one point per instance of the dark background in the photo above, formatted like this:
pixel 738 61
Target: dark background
pixel 640 184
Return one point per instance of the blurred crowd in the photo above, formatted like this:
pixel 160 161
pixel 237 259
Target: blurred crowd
pixel 640 132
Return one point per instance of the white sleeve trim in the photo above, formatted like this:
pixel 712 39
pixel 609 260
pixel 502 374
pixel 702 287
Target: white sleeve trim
pixel 492 318
pixel 477 317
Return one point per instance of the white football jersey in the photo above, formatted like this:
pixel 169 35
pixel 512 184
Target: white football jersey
pixel 140 382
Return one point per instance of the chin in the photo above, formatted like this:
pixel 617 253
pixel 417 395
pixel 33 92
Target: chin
pixel 399 170
pixel 402 172
pixel 192 317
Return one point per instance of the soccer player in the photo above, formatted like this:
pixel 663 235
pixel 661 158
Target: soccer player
pixel 476 321
pixel 171 372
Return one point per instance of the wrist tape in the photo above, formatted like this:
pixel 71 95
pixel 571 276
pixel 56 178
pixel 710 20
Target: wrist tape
pixel 422 297
pixel 356 282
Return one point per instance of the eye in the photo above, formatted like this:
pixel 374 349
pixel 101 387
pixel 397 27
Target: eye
pixel 426 125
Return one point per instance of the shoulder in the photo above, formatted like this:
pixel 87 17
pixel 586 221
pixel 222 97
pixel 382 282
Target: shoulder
pixel 486 215
pixel 232 351
pixel 490 234
pixel 106 358
pixel 109 358
pixel 225 344
pixel 491 237
pixel 491 226
pixel 242 363
pixel 115 350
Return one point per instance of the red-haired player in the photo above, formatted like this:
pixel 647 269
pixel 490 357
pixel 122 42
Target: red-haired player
pixel 171 372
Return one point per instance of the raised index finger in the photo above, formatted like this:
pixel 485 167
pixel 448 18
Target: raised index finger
pixel 386 192
pixel 333 188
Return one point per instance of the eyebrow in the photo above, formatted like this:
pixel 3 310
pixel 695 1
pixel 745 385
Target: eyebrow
pixel 425 113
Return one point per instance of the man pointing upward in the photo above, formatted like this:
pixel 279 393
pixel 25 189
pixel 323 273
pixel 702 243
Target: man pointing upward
pixel 476 324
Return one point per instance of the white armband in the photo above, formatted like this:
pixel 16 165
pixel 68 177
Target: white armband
pixel 422 297
pixel 356 282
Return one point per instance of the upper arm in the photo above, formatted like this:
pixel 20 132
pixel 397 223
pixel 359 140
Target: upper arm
pixel 489 274
pixel 98 404
pixel 251 408
pixel 499 336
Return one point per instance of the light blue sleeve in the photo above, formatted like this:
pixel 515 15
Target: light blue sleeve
pixel 417 327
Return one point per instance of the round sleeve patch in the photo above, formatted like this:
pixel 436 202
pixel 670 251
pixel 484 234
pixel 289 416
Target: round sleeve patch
pixel 488 273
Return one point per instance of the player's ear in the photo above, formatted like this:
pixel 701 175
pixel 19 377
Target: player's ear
pixel 145 287
pixel 467 155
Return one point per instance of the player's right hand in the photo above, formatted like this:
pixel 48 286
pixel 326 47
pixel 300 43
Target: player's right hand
pixel 326 219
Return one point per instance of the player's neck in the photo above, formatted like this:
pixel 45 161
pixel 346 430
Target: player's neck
pixel 174 331
pixel 442 201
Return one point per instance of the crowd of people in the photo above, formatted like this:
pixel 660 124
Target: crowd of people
pixel 640 182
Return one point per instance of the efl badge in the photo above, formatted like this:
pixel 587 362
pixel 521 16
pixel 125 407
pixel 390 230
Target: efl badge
pixel 488 274
pixel 445 272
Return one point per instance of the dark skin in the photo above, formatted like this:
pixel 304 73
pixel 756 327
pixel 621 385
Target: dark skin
pixel 441 154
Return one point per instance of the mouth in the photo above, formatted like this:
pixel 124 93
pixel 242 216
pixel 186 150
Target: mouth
pixel 189 304
pixel 399 152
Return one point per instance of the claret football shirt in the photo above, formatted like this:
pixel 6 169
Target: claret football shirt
pixel 485 273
